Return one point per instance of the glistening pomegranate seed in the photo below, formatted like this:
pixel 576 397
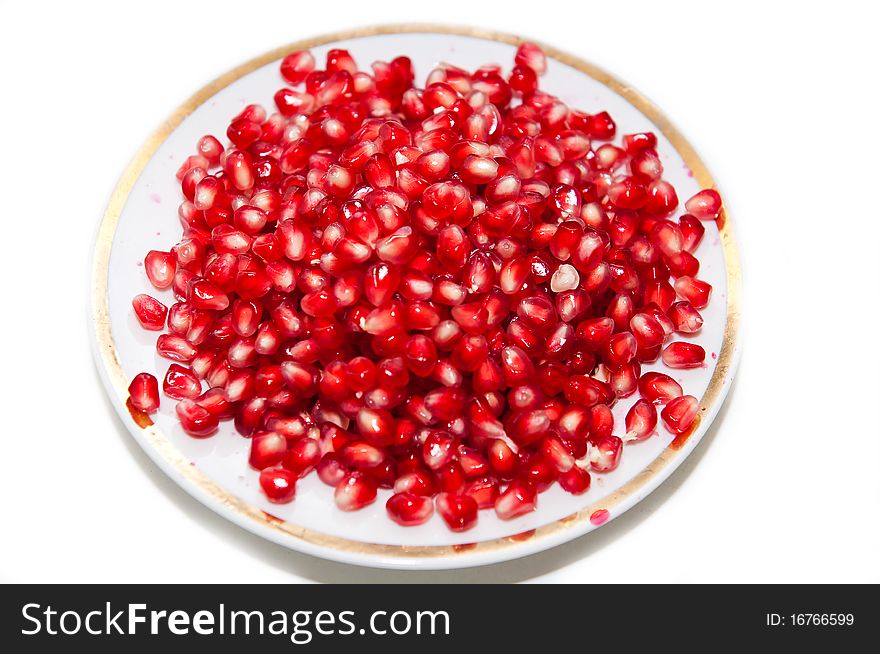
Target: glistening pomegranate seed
pixel 435 291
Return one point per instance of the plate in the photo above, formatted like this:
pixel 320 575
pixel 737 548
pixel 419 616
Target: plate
pixel 142 215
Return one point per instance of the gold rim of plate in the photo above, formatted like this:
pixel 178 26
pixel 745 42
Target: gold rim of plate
pixel 172 456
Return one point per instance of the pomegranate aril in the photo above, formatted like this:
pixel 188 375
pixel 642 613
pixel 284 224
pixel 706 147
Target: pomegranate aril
pixel 278 484
pixel 143 392
pixel 303 455
pixel 330 470
pixel 438 450
pixel 681 354
pixel 705 205
pixel 555 453
pixel 149 311
pixel 180 383
pixel 693 290
pixel 685 318
pixel 408 510
pixel 484 491
pixel 267 449
pixel 658 387
pixel 531 55
pixel 195 419
pixel 459 512
pixel 692 231
pixel 624 380
pixel 160 268
pixel 355 492
pixel 586 391
pixel 605 453
pixel 295 66
pixel 175 348
pixel 641 419
pixel 519 498
pixel 679 414
pixel 415 482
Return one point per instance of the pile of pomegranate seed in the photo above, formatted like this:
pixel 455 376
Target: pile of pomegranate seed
pixel 439 291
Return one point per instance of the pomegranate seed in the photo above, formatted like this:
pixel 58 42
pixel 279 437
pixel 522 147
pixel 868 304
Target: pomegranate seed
pixel 685 318
pixel 408 510
pixel 556 454
pixel 160 268
pixel 195 419
pixel 679 414
pixel 437 289
pixel 705 205
pixel 437 449
pixel 175 348
pixel 267 449
pixel 692 231
pixel 693 290
pixel 484 492
pixel 417 482
pixel 144 392
pixel 641 420
pixel 330 470
pixel 278 484
pixel 150 312
pixel 683 355
pixel 531 55
pixel 605 453
pixel 355 492
pixel 459 512
pixel 660 388
pixel 575 481
pixel 518 499
pixel 180 383
pixel 302 457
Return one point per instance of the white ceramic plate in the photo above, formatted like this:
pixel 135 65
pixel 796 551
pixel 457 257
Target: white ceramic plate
pixel 142 215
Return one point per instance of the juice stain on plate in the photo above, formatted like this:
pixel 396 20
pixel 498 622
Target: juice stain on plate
pixel 522 536
pixel 141 418
pixel 682 438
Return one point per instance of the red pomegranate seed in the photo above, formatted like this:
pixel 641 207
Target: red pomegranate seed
pixel 531 55
pixel 409 510
pixel 180 383
pixel 576 481
pixel 641 420
pixel 330 470
pixel 436 290
pixel 459 512
pixel 278 484
pixel 685 319
pixel 302 456
pixel 705 205
pixel 683 355
pixel 679 414
pixel 267 449
pixel 693 290
pixel 175 348
pixel 519 498
pixel 355 492
pixel 144 392
pixel 195 419
pixel 150 312
pixel 160 268
pixel 417 482
pixel 658 387
pixel 692 231
pixel 605 453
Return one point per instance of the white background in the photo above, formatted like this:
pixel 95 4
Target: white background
pixel 782 102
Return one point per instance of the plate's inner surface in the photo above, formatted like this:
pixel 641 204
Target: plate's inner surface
pixel 149 221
